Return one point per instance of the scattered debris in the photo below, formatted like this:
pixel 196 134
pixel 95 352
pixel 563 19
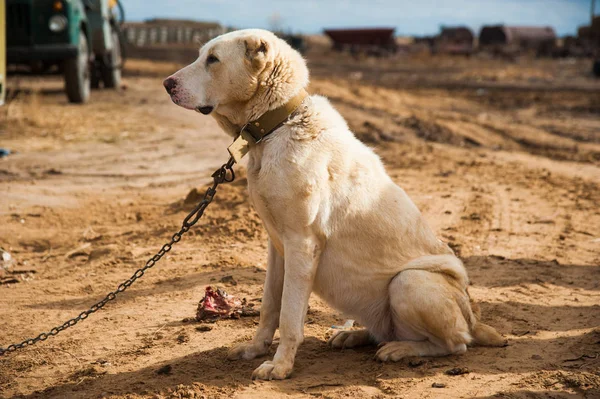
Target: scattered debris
pixel 347 325
pixel 88 372
pixel 165 370
pixel 246 311
pixel 416 363
pixel 444 173
pixel 8 275
pixel 457 371
pixel 473 216
pixel 438 385
pixel 583 357
pixel 102 362
pixel 541 221
pixel 582 380
pixel 183 338
pixel 6 260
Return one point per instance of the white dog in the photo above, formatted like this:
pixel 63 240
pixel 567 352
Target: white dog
pixel 337 223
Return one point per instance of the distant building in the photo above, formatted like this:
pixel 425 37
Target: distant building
pixel 379 40
pixel 589 36
pixel 454 40
pixel 541 39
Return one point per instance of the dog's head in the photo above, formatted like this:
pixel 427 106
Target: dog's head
pixel 239 75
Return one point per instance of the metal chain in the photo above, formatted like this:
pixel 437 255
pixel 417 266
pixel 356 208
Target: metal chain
pixel 224 174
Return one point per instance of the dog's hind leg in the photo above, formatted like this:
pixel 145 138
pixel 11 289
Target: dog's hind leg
pixel 430 309
pixel 351 339
pixel 394 351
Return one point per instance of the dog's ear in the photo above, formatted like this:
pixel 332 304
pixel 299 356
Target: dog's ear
pixel 256 51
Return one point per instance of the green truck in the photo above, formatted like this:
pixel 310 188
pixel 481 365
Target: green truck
pixel 80 38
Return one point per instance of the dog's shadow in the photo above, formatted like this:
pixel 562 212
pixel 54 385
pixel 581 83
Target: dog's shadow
pixel 318 369
pixel 555 339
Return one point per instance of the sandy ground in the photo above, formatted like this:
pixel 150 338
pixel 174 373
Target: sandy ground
pixel 502 158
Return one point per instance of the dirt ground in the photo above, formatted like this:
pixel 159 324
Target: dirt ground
pixel 503 158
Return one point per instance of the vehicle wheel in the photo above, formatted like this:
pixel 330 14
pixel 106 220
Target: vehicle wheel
pixel 95 74
pixel 77 73
pixel 111 68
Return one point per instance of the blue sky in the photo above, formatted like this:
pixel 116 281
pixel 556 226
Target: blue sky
pixel 417 17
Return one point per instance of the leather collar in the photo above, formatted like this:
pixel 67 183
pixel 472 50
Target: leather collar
pixel 255 131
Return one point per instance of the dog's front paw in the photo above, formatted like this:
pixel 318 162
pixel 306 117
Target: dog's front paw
pixel 247 351
pixel 271 370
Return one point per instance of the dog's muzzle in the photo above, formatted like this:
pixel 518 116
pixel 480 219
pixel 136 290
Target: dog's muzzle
pixel 170 84
pixel 205 110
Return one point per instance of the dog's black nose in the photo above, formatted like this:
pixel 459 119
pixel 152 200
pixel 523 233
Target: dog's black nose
pixel 205 110
pixel 170 84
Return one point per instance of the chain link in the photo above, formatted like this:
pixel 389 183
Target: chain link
pixel 224 174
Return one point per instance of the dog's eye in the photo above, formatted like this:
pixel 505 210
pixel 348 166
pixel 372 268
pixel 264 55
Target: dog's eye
pixel 211 59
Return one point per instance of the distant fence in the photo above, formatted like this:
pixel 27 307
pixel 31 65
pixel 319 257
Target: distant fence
pixel 168 40
pixel 155 34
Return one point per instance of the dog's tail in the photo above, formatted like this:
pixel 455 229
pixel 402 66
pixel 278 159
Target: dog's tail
pixel 483 334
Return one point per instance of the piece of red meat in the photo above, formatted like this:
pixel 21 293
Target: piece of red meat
pixel 216 305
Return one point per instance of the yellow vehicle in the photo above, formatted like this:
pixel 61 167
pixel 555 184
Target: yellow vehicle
pixel 2 53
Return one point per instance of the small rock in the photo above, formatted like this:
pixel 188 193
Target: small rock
pixel 183 338
pixel 475 216
pixel 415 363
pixel 165 370
pixel 438 385
pixel 204 328
pixel 229 280
pixel 457 371
pixel 536 357
pixel 90 235
pixel 6 260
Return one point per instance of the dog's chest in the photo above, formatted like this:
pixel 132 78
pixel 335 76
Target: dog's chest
pixel 263 187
